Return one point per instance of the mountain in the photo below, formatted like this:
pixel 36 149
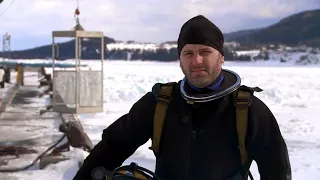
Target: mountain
pixel 237 34
pixel 90 50
pixel 298 29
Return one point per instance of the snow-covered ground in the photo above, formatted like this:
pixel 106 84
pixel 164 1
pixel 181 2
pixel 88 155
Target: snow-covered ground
pixel 292 93
pixel 304 56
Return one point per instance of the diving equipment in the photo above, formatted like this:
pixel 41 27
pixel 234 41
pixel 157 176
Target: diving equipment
pixel 128 172
pixel 232 83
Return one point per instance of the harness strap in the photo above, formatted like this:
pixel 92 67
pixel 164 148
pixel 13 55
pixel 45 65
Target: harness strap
pixel 160 114
pixel 242 103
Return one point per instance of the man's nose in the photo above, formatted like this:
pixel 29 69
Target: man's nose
pixel 197 59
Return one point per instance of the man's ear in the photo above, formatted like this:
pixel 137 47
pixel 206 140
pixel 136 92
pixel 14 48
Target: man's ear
pixel 222 59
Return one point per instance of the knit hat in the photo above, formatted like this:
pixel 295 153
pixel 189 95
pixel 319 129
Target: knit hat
pixel 200 30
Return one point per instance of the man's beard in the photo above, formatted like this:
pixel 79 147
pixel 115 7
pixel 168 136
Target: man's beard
pixel 199 82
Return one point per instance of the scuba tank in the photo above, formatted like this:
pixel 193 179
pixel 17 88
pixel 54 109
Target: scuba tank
pixel 128 172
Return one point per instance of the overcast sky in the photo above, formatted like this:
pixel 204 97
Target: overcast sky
pixel 30 22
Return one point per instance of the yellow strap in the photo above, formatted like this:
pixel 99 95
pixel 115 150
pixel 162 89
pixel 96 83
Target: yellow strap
pixel 160 115
pixel 242 104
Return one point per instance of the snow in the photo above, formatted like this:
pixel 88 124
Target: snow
pixel 291 92
pixel 4 91
pixel 306 57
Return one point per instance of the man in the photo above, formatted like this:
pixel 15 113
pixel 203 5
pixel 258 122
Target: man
pixel 199 138
pixel 20 74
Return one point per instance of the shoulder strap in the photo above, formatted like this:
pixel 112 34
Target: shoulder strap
pixel 243 102
pixel 163 99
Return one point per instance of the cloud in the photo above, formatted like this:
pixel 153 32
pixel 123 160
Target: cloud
pixel 141 20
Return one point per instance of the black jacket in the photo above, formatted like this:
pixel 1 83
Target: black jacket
pixel 198 141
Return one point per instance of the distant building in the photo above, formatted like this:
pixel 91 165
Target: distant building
pixel 168 46
pixel 139 46
pixel 231 45
pixel 132 45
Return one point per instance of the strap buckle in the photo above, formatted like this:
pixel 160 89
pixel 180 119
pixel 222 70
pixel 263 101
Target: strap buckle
pixel 243 99
pixel 243 102
pixel 163 98
pixel 165 94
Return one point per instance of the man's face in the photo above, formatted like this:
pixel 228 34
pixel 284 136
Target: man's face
pixel 200 64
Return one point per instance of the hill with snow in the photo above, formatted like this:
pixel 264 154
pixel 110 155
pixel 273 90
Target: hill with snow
pixel 295 31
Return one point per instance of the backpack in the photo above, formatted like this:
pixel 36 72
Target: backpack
pixel 242 101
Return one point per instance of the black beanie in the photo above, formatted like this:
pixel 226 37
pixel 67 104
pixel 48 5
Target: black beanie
pixel 199 30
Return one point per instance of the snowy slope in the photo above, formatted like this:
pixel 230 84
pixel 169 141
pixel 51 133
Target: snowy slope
pixel 292 93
